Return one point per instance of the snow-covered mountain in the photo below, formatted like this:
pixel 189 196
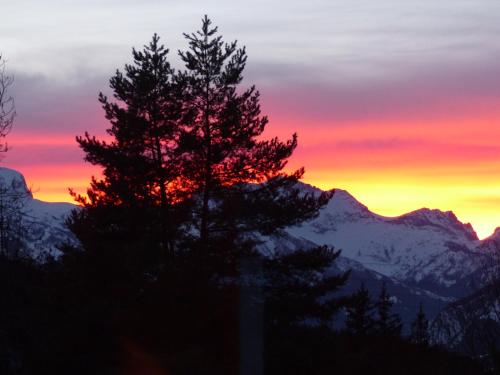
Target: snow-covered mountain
pixel 424 256
pixel 431 249
pixel 472 324
pixel 41 223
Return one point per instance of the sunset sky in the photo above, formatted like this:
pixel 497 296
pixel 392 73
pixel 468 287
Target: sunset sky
pixel 397 102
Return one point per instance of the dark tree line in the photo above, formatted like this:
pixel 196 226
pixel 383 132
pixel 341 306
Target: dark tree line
pixel 366 317
pixel 169 276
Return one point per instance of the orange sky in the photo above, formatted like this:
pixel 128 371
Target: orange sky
pixel 393 169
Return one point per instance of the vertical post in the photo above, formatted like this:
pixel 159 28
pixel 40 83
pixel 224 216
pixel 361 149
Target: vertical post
pixel 251 318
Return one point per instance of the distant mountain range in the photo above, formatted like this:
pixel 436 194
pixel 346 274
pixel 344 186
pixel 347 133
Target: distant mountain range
pixel 426 256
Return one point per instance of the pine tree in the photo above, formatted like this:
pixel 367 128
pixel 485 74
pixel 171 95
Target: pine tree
pixel 241 188
pixel 420 328
pixel 387 323
pixel 185 148
pixel 299 289
pixel 140 188
pixel 239 177
pixel 360 319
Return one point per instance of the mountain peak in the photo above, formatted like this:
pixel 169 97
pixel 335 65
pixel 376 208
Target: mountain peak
pixel 344 201
pixel 14 181
pixel 445 220
pixel 434 215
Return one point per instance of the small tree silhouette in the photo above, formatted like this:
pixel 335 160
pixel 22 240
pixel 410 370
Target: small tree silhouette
pixel 387 323
pixel 360 319
pixel 420 328
pixel 7 106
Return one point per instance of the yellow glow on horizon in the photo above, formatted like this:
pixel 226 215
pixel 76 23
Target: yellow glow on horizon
pixel 392 197
pixel 51 183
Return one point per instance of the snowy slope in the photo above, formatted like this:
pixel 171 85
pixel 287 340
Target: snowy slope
pixel 43 228
pixel 471 324
pixel 406 297
pixel 427 248
pixel 46 229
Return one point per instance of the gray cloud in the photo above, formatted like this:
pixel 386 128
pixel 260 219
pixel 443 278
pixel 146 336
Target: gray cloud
pixel 351 40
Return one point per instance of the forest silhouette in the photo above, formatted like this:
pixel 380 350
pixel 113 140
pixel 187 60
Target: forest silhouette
pixel 170 274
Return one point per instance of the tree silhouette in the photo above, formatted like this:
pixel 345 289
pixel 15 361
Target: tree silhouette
pixel 420 328
pixel 7 106
pixel 141 171
pixel 387 323
pixel 360 319
pixel 226 154
pixel 187 145
pixel 299 288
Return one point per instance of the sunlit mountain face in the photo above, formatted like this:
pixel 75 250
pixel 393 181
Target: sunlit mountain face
pixel 396 102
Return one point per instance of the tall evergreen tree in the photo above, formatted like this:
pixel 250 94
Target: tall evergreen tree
pixel 420 328
pixel 136 200
pixel 360 319
pixel 299 288
pixel 228 157
pixel 189 138
pixel 140 160
pixel 387 323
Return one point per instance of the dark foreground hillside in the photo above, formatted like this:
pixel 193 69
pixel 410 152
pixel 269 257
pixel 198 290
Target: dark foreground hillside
pixel 52 323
